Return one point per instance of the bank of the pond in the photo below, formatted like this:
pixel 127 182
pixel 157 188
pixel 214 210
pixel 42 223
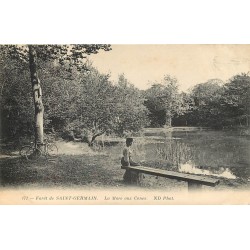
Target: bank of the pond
pixel 78 171
pixel 79 166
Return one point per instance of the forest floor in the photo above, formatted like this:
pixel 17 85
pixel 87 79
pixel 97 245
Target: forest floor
pixel 78 166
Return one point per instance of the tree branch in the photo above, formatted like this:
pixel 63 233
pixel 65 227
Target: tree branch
pixel 96 135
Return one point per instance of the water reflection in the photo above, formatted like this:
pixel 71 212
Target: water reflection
pixel 220 172
pixel 217 153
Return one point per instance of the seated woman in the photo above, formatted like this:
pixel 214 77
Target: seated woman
pixel 126 160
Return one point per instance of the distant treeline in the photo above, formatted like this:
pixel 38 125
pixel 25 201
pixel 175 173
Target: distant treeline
pixel 212 104
pixel 218 105
pixel 88 104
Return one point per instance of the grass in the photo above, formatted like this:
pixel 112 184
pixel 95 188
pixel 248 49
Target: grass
pixel 80 166
pixel 65 171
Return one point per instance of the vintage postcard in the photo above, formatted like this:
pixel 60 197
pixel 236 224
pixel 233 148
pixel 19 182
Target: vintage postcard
pixel 101 124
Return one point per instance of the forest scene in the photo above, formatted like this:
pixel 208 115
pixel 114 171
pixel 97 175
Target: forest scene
pixel 53 97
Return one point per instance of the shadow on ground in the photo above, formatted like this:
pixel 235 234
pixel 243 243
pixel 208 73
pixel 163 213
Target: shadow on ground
pixel 64 171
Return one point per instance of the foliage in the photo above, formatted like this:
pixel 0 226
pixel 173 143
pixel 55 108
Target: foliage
pixel 81 102
pixel 236 100
pixel 106 108
pixel 163 101
pixel 131 113
pixel 71 57
pixel 218 105
pixel 186 109
pixel 206 104
pixel 16 112
pixel 156 105
pixel 96 104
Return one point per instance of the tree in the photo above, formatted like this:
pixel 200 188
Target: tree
pixel 218 105
pixel 163 101
pixel 236 100
pixel 172 98
pixel 182 118
pixel 15 100
pixel 105 107
pixel 156 105
pixel 71 56
pixel 131 114
pixel 97 104
pixel 206 110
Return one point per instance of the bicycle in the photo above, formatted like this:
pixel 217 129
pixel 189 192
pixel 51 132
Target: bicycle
pixel 36 150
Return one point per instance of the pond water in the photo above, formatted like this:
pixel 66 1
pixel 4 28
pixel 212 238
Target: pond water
pixel 207 152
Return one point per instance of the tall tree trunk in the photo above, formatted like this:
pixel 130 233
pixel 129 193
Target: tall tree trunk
pixel 168 119
pixel 37 95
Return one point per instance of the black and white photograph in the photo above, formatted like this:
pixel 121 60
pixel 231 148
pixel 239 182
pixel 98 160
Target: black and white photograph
pixel 124 124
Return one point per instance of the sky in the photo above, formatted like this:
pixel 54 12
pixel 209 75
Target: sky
pixel 190 64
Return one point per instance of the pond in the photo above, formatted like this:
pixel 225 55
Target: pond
pixel 206 152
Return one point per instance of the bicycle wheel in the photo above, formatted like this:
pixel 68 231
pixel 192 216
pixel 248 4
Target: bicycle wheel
pixel 52 150
pixel 23 150
pixel 33 154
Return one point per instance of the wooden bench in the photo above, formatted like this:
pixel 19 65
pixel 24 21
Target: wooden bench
pixel 133 175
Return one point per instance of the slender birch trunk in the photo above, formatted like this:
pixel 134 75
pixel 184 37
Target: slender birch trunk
pixel 37 95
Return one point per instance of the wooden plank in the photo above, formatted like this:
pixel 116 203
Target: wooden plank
pixel 203 180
